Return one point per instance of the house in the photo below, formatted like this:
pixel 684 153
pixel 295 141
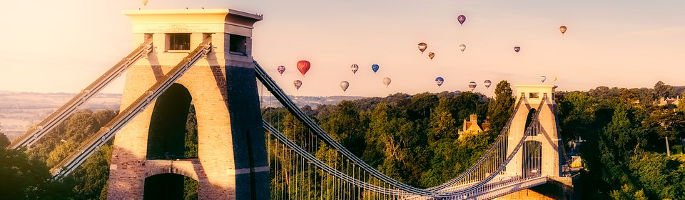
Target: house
pixel 668 101
pixel 471 127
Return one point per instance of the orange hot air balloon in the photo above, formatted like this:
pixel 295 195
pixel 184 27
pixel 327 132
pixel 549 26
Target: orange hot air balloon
pixel 303 66
pixel 431 55
pixel 562 29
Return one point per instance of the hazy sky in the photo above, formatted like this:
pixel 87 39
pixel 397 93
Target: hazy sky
pixel 61 46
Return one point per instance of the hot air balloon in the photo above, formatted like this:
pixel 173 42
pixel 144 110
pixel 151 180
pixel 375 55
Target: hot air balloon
pixel 462 47
pixel 145 2
pixel 439 80
pixel 303 66
pixel 423 47
pixel 431 55
pixel 487 83
pixel 375 67
pixel 517 49
pixel 281 69
pixel 298 84
pixel 461 19
pixel 562 29
pixel 344 85
pixel 354 68
pixel 544 78
pixel 472 85
pixel 386 81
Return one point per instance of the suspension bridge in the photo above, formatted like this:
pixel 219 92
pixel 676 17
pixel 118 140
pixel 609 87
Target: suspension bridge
pixel 241 154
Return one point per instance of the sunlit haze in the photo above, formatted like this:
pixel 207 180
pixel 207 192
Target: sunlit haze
pixel 61 46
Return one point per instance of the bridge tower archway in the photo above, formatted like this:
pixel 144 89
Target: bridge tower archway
pixel 170 135
pixel 537 100
pixel 170 186
pixel 231 161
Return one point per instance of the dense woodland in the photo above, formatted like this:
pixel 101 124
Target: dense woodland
pixel 625 149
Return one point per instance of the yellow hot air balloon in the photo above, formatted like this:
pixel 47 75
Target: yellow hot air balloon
pixel 386 81
pixel 145 2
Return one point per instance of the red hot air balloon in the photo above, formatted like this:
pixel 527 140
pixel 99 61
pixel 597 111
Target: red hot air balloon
pixel 517 49
pixel 303 66
pixel 461 19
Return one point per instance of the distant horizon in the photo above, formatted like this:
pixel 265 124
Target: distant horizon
pixel 493 86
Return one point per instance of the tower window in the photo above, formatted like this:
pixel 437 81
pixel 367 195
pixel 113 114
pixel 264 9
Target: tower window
pixel 178 41
pixel 238 45
pixel 534 95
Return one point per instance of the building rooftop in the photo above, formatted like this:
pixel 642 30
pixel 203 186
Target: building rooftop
pixel 193 12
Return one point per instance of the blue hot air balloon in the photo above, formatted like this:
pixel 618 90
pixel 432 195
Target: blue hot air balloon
pixel 375 68
pixel 439 80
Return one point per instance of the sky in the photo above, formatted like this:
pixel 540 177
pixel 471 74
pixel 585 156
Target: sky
pixel 61 46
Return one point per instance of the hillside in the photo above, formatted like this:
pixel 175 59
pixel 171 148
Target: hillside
pixel 19 110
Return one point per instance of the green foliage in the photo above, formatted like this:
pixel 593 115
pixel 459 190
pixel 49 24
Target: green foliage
pixel 410 138
pixel 4 141
pixel 627 192
pixel 190 188
pixel 88 181
pixel 660 176
pixel 625 149
pixel 21 175
pixel 191 134
pixel 501 108
pixel 442 124
pixel 663 90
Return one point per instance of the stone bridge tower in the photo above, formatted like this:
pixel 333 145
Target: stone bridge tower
pixel 540 152
pixel 150 157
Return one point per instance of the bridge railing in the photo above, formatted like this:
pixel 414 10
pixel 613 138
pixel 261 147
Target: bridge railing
pixel 279 94
pixel 478 177
pixel 482 187
pixel 486 184
pixel 489 161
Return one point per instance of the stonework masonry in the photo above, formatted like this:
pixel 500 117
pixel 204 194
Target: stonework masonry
pixel 231 151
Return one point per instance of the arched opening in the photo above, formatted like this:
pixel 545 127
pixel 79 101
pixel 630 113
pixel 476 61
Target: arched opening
pixel 173 127
pixel 529 118
pixel 534 130
pixel 170 187
pixel 532 159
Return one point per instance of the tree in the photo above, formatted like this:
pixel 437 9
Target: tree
pixel 442 124
pixel 21 176
pixel 4 141
pixel 501 108
pixel 663 90
pixel 668 124
pixel 659 176
pixel 628 192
